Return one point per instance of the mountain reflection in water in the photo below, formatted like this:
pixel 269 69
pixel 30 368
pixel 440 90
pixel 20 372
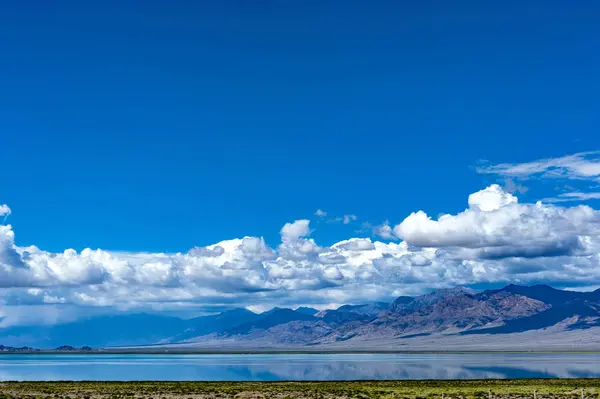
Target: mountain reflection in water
pixel 297 367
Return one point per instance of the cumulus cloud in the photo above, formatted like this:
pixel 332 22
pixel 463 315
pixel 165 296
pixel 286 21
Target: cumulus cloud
pixel 295 230
pixel 496 239
pixel 498 226
pixel 491 199
pixel 320 213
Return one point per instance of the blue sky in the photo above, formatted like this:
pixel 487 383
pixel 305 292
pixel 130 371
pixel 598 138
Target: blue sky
pixel 162 127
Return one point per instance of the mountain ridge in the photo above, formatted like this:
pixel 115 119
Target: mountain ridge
pixel 439 316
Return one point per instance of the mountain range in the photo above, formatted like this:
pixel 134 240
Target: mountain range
pixel 513 317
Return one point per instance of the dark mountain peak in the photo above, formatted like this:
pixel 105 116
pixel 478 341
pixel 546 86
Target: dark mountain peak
pixel 544 293
pixel 448 292
pixel 66 348
pixel 216 323
pixel 352 313
pixel 69 348
pixel 237 312
pixel 583 312
pixel 270 319
pixel 339 317
pixel 408 303
pixel 443 293
pixel 400 302
pixel 532 288
pixel 20 349
pixel 272 310
pixel 278 312
pixel 307 310
pixel 536 287
pixel 404 299
pixel 367 308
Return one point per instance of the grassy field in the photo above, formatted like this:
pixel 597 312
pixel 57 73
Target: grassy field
pixel 479 389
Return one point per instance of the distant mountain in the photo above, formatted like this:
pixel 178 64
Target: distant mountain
pixel 11 349
pixel 205 325
pixel 270 319
pixel 101 331
pixel 69 348
pixel 371 309
pixel 308 311
pixel 340 317
pixel 444 311
pixel 440 316
pixel 400 303
pixel 578 310
pixel 352 313
pixel 544 293
pixel 408 303
pixel 458 317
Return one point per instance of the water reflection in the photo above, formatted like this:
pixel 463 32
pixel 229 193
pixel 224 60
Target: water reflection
pixel 296 367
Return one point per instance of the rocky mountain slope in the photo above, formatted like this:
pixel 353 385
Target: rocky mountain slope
pixel 442 314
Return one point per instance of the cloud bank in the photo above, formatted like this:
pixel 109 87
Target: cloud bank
pixel 495 240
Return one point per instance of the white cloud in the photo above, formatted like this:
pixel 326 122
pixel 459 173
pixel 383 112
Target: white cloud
pixel 583 167
pixel 295 230
pixel 496 226
pixel 496 239
pixel 346 219
pixel 510 186
pixel 320 213
pixel 4 210
pixel 212 252
pixel 580 166
pixel 500 227
pixel 573 197
pixel 356 244
pixel 384 231
pixel 491 199
pixel 349 218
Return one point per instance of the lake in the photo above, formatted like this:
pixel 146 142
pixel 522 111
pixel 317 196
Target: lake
pixel 274 367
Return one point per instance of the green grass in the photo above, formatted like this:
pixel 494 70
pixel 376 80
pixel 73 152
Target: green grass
pixel 434 389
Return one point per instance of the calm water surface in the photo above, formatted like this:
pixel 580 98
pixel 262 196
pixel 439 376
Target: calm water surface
pixel 296 367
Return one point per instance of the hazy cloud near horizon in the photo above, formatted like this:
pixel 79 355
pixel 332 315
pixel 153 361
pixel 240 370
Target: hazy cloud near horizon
pixel 495 240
